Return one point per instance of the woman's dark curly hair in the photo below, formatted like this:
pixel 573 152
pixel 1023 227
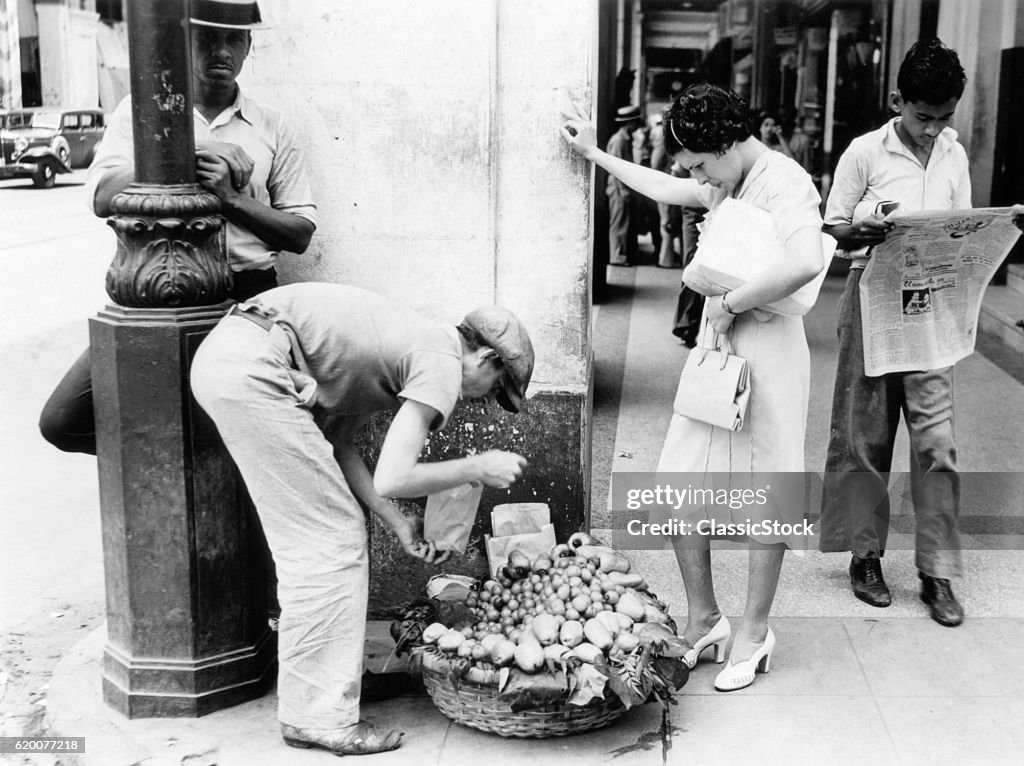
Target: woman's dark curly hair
pixel 706 118
pixel 931 73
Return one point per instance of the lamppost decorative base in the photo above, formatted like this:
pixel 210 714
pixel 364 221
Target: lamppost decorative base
pixel 170 248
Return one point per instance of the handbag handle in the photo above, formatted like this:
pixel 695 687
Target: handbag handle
pixel 720 342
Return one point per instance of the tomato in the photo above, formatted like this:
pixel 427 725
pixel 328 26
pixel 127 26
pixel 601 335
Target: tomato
pixel 517 588
pixel 572 571
pixel 589 612
pixel 587 575
pixel 563 592
pixel 513 605
pixel 571 613
pixel 611 597
pixel 575 582
pixel 493 615
pixel 467 632
pixel 596 596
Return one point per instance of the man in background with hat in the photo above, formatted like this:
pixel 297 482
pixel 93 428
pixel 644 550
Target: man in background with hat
pixel 294 364
pixel 622 209
pixel 246 154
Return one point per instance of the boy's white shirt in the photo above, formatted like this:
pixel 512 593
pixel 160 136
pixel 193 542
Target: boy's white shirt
pixel 877 166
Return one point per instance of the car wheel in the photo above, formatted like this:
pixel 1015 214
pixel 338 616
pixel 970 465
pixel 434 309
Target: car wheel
pixel 45 174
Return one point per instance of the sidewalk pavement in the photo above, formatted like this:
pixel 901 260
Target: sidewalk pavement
pixel 848 682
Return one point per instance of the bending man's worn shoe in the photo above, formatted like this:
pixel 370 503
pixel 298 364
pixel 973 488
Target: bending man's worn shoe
pixel 937 593
pixel 362 739
pixel 868 584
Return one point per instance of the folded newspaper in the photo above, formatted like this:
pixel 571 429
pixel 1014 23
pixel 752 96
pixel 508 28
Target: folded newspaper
pixel 922 288
pixel 739 240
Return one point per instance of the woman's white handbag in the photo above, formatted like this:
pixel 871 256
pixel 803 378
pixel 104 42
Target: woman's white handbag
pixel 714 387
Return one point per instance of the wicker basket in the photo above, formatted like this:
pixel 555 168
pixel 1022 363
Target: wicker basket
pixel 475 703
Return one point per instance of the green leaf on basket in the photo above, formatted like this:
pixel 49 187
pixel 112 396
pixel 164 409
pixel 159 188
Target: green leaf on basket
pixel 588 684
pixel 526 691
pixel 672 671
pixel 454 614
pixel 631 678
pixel 662 641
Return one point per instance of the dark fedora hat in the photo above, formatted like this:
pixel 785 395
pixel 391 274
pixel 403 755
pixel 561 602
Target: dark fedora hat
pixel 227 14
pixel 627 114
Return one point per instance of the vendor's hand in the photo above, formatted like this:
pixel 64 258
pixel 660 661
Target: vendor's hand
pixel 239 162
pixel 579 133
pixel 870 231
pixel 499 469
pixel 409 532
pixel 214 175
pixel 1017 216
pixel 720 319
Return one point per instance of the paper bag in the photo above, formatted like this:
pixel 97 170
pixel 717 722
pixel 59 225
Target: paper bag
pixel 532 544
pixel 738 241
pixel 519 518
pixel 449 516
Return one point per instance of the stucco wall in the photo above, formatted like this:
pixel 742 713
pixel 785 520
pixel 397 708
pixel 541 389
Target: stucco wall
pixel 439 173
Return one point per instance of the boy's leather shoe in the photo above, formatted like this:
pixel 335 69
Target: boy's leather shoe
pixel 938 594
pixel 868 584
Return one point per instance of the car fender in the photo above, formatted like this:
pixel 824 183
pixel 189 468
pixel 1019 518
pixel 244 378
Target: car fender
pixel 36 153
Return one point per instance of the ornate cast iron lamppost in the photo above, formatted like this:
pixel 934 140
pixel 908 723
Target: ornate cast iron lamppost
pixel 186 604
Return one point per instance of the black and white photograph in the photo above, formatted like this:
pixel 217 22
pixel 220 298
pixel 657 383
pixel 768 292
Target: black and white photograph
pixel 368 390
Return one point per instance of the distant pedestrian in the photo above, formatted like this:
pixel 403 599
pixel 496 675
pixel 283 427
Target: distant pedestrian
pixel 622 202
pixel 771 135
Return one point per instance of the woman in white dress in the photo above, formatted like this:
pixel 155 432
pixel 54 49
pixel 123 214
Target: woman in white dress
pixel 709 131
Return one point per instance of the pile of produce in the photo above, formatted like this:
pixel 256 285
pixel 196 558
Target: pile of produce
pixel 573 625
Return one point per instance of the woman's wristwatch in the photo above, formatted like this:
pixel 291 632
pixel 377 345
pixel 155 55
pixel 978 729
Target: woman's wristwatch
pixel 725 305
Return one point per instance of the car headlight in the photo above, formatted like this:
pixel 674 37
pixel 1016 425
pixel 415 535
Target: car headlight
pixel 20 144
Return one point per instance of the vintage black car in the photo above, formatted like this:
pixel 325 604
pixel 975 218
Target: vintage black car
pixel 40 143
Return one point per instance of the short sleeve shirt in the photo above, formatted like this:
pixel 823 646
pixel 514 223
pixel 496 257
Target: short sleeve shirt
pixel 365 352
pixel 778 184
pixel 878 166
pixel 279 180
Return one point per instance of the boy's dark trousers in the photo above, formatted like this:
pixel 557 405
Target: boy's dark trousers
pixel 865 418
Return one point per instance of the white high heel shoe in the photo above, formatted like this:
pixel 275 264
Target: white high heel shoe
pixel 742 674
pixel 717 637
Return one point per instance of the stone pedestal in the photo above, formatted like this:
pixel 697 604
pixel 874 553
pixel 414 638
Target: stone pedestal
pixel 185 570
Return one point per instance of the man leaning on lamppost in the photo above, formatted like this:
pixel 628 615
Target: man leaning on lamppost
pixel 247 154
